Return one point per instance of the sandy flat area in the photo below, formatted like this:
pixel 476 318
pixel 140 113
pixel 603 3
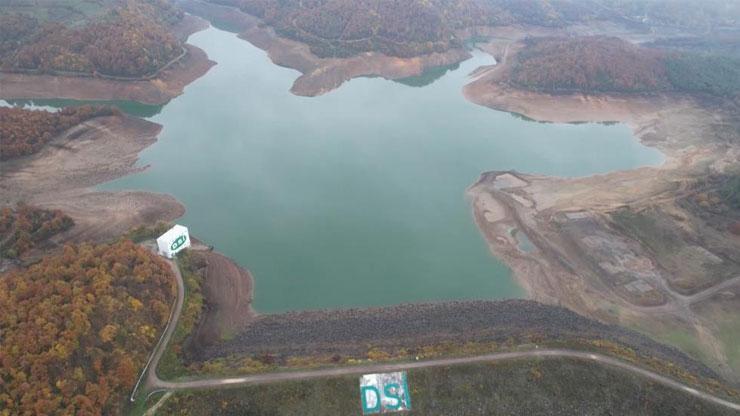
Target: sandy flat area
pixel 567 218
pixel 63 175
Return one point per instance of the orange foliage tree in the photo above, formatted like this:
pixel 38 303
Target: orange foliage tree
pixel 77 327
pixel 25 226
pixel 398 27
pixel 132 40
pixel 23 132
pixel 590 63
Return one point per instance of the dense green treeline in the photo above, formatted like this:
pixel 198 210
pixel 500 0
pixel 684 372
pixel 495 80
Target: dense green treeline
pixel 607 64
pixel 710 74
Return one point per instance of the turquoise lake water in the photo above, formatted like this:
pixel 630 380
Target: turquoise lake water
pixel 357 197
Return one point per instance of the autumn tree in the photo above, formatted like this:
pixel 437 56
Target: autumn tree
pixel 589 64
pixel 402 28
pixel 76 329
pixel 23 131
pixel 133 39
pixel 25 226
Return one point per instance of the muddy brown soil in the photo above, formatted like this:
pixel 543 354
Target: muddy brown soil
pixel 227 289
pixel 319 75
pixel 62 175
pixel 167 85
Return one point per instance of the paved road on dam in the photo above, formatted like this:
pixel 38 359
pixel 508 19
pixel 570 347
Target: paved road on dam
pixel 152 383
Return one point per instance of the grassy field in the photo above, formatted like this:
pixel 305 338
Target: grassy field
pixel 730 337
pixel 685 341
pixel 721 312
pixel 527 387
pixel 648 228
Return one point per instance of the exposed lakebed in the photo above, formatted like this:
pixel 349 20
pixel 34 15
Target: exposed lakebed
pixel 356 197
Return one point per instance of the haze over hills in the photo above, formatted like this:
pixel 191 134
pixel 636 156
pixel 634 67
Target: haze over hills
pixel 637 264
pixel 408 28
pixel 122 38
pixel 599 64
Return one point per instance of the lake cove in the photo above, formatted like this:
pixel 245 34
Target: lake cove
pixel 357 197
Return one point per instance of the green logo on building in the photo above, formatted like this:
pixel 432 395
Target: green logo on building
pixel 178 242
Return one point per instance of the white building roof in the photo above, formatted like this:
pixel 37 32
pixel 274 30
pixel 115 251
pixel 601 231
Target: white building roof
pixel 173 232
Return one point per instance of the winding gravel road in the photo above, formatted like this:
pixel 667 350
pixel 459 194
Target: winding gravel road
pixel 149 373
pixel 152 383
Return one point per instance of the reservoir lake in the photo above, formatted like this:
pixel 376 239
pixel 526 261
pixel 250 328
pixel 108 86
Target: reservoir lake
pixel 357 197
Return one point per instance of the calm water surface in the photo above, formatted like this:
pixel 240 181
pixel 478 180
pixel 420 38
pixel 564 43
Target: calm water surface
pixel 354 198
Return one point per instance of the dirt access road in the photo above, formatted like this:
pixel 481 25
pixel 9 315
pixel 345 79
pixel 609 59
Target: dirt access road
pixel 152 382
pixel 590 254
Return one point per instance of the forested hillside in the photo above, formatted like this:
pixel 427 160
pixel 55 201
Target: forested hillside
pixel 77 328
pixel 605 64
pixel 400 27
pixel 589 64
pixel 24 132
pixel 709 74
pixel 412 27
pixel 25 226
pixel 132 39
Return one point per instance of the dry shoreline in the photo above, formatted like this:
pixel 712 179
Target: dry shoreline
pixel 64 173
pixel 228 291
pixel 322 75
pixel 102 149
pixel 319 75
pixel 571 222
pixel 167 85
